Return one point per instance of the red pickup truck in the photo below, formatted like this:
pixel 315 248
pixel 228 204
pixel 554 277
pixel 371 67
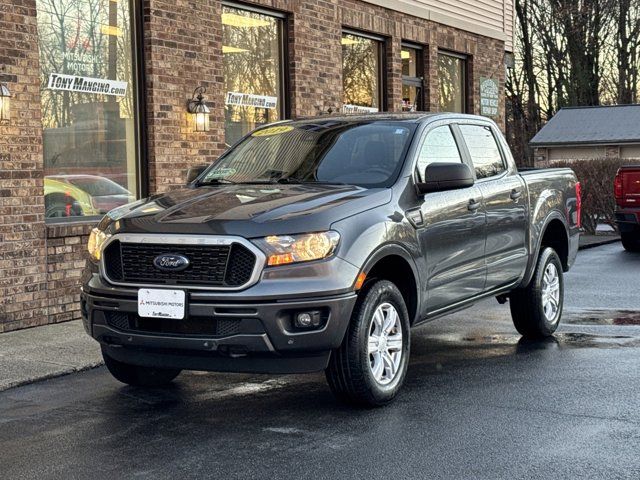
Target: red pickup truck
pixel 627 193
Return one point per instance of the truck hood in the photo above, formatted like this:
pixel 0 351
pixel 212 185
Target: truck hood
pixel 247 210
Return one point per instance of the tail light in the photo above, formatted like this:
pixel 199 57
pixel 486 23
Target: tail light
pixel 579 204
pixel 617 186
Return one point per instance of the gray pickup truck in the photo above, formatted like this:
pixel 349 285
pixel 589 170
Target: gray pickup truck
pixel 317 244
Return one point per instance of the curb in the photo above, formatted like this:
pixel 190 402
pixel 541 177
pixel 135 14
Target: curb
pixel 49 376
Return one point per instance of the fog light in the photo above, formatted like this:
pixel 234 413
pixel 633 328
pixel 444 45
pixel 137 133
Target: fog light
pixel 308 319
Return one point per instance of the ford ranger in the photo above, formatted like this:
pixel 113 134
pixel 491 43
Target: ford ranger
pixel 317 244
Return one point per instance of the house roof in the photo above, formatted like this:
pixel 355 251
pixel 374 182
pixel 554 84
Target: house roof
pixel 608 125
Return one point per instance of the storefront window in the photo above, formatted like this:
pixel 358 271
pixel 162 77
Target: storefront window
pixel 89 113
pixel 412 83
pixel 452 71
pixel 361 74
pixel 253 70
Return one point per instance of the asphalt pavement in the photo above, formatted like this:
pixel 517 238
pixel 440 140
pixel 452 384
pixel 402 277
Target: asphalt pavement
pixel 478 403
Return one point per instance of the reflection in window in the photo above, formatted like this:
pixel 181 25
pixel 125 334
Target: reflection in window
pixel 439 147
pixel 452 82
pixel 251 51
pixel 89 112
pixel 483 149
pixel 360 74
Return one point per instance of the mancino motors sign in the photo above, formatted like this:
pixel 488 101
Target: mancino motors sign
pixel 79 84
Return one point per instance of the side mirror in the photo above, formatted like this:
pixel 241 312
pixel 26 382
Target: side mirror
pixel 446 176
pixel 194 172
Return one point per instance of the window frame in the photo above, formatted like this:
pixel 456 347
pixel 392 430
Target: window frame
pixel 382 63
pixel 465 81
pixel 284 110
pixel 418 80
pixel 140 122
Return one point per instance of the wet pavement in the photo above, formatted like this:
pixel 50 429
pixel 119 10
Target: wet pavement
pixel 478 403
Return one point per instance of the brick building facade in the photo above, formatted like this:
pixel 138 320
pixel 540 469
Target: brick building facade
pixel 180 46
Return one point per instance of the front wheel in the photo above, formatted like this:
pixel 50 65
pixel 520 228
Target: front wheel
pixel 136 375
pixel 369 367
pixel 536 309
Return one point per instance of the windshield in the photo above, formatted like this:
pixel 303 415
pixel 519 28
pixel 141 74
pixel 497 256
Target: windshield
pixel 366 153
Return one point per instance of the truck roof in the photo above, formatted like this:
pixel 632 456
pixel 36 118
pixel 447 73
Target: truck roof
pixel 410 117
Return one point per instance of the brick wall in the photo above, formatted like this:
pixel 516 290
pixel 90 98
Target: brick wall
pixel 22 231
pixel 40 265
pixel 66 254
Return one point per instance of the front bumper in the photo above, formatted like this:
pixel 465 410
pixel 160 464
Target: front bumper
pixel 216 335
pixel 628 219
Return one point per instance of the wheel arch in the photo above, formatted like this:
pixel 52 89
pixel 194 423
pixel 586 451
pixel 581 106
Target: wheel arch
pixel 553 234
pixel 392 262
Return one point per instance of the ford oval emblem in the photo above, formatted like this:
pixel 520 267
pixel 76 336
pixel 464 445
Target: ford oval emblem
pixel 171 262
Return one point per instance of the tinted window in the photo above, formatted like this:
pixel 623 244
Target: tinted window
pixel 367 154
pixel 439 146
pixel 483 149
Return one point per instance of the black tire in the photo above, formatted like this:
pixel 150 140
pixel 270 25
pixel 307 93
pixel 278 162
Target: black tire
pixel 349 373
pixel 631 241
pixel 527 310
pixel 139 376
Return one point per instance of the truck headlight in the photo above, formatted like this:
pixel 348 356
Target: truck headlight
pixel 97 238
pixel 286 249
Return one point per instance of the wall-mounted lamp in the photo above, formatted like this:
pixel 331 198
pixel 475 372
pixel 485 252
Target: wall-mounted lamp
pixel 5 102
pixel 199 110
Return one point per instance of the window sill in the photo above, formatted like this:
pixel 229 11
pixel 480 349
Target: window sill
pixel 70 228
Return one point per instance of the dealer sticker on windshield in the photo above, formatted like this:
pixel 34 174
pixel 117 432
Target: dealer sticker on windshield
pixel 156 303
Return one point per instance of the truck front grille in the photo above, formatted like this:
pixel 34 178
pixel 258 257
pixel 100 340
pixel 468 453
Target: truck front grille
pixel 209 265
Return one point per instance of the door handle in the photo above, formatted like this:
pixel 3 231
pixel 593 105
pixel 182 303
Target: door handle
pixel 515 194
pixel 473 205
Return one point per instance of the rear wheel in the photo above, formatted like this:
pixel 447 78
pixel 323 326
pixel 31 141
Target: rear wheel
pixel 369 367
pixel 537 308
pixel 631 241
pixel 136 375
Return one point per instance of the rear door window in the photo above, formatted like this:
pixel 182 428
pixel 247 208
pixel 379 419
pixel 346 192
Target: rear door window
pixel 439 146
pixel 483 149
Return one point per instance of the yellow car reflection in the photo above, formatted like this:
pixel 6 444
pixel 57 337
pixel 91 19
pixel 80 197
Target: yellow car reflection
pixel 82 195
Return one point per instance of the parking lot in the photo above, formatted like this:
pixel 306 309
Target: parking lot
pixel 478 403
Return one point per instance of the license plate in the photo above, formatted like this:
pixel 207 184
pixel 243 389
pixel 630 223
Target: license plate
pixel 156 303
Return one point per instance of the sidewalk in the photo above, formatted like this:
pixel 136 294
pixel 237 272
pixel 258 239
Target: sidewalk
pixel 44 352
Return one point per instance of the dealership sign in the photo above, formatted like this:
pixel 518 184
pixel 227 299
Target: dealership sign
pixel 347 108
pixel 250 100
pixel 79 84
pixel 489 97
